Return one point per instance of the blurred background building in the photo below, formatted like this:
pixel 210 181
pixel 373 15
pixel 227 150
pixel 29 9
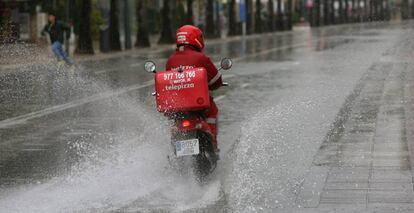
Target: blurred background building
pixel 113 25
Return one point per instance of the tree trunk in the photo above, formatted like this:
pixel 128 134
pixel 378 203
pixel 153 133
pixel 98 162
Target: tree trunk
pixel 271 16
pixel 178 10
pixel 189 16
pixel 289 15
pixel 210 28
pixel 258 18
pixel 166 31
pixel 232 18
pixel 382 10
pixel 371 10
pixel 317 13
pixel 127 26
pixel 352 14
pixel 346 10
pixel 404 9
pixel 358 11
pixel 114 43
pixel 332 5
pixel 341 12
pixel 85 40
pixel 142 24
pixel 387 10
pixel 375 11
pixel 326 12
pixel 378 9
pixel 279 15
pixel 249 17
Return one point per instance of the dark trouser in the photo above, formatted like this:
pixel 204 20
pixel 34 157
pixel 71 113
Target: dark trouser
pixel 60 53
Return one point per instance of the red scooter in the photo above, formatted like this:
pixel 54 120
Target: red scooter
pixel 183 96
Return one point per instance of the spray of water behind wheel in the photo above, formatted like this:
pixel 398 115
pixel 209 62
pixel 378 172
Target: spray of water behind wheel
pixel 123 166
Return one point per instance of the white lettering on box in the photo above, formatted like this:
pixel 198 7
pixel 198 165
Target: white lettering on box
pixel 179 86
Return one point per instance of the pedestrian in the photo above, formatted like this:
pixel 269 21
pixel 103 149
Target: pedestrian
pixel 56 30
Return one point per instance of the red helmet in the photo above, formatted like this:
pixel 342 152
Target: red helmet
pixel 190 35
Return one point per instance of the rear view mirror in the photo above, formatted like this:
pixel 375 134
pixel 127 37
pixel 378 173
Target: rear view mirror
pixel 150 66
pixel 226 63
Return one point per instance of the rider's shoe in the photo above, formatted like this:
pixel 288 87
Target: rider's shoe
pixel 61 62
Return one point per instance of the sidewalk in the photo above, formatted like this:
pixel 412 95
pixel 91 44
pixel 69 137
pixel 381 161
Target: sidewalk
pixel 366 162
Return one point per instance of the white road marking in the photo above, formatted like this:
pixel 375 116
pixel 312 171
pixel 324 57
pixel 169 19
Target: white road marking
pixel 218 98
pixel 104 71
pixel 36 144
pixel 24 118
pixel 244 85
pixel 135 65
pixel 32 150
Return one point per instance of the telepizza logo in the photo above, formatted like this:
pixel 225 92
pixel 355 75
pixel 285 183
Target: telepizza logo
pixel 179 86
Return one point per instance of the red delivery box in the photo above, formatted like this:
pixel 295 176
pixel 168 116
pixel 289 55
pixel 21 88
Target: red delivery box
pixel 182 91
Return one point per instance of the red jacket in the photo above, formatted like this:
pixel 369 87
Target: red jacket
pixel 188 57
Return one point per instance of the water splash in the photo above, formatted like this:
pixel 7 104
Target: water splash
pixel 125 168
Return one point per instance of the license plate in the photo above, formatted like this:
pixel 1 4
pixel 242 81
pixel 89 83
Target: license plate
pixel 187 147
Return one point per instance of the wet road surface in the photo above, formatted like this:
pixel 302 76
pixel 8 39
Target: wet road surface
pixel 313 121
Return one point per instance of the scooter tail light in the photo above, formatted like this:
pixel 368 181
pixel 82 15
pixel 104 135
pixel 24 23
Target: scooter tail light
pixel 186 123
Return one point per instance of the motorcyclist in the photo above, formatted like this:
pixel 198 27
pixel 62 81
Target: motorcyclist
pixel 189 54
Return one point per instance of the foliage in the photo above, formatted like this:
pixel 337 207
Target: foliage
pixel 48 7
pixel 296 17
pixel 96 20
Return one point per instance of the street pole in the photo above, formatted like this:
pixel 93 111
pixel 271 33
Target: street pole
pixel 243 16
